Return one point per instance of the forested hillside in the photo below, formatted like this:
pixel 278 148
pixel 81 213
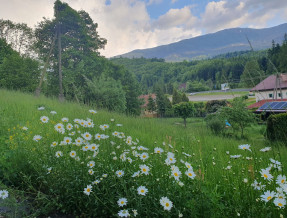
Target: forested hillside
pixel 239 69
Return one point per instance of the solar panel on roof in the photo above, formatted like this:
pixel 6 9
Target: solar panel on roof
pixel 274 106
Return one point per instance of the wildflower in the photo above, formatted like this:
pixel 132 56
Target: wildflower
pixel 129 140
pixel 54 144
pixel 180 183
pixel 96 182
pixel 93 111
pixel 24 128
pixel 3 194
pixel 94 147
pixel 59 154
pixel 37 138
pixel 265 149
pixel 170 159
pixel 188 155
pixel 142 148
pixel 91 164
pixel 136 174
pixel 281 179
pixel 69 126
pixel 105 175
pixel 244 147
pixel 41 108
pixel 279 202
pixel 104 126
pixel 88 190
pixel 85 148
pixel 65 119
pixel 44 119
pixel 87 136
pixel 122 202
pixel 166 203
pixel 120 173
pixel 73 154
pixel 79 141
pixel 130 160
pixel 119 124
pixel 115 133
pixel 144 156
pixel 91 171
pixel 267 196
pixel 123 213
pixel 235 156
pixel 228 167
pixel 98 136
pixel 60 128
pixel 176 174
pixel 90 124
pixel 53 112
pixel 135 212
pixel 190 174
pixel 245 180
pixel 266 175
pixel 158 150
pixel 144 169
pixel 188 165
pixel 49 170
pixel 68 140
pixel 142 190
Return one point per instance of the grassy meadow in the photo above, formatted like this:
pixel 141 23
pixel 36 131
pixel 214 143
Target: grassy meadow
pixel 78 162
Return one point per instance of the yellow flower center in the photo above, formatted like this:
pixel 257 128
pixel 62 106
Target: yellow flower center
pixel 59 127
pixel 280 204
pixel 73 154
pixel 170 159
pixel 142 191
pixel 93 147
pixel 282 181
pixel 87 135
pixel 166 204
pixel 88 190
pixel 144 156
pixel 268 198
pixel 158 151
pixel 190 174
pixel 265 175
pixel 122 202
pixel 175 174
pixel 244 148
pixel 120 173
pixel 144 169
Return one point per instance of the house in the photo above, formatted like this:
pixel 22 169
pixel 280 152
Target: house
pixel 273 88
pixel 144 110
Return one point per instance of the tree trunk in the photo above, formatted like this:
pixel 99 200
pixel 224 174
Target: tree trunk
pixel 61 94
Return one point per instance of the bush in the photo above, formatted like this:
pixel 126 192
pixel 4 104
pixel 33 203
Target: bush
pixel 276 127
pixel 215 123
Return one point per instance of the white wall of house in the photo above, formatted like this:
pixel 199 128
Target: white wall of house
pixel 263 95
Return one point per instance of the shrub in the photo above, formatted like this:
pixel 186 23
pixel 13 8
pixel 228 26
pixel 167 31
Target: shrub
pixel 276 127
pixel 215 123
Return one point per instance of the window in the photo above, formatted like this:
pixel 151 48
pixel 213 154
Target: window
pixel 270 95
pixel 279 94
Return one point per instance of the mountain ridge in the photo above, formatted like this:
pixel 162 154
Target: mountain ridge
pixel 212 44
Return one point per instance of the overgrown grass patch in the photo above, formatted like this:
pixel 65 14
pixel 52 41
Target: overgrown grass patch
pixel 186 171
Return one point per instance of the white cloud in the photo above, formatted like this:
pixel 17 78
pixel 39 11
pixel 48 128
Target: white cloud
pixel 127 25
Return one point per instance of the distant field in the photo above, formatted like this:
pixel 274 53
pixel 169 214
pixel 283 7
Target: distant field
pixel 223 93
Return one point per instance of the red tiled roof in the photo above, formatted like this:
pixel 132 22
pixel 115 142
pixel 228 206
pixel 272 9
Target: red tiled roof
pixel 145 97
pixel 270 83
pixel 260 103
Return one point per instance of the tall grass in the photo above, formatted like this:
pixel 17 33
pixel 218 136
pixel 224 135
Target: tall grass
pixel 222 186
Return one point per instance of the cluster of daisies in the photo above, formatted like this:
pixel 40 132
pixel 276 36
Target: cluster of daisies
pixel 278 197
pixel 83 135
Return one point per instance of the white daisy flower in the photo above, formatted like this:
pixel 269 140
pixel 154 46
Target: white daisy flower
pixel 158 150
pixel 124 213
pixel 144 156
pixel 73 154
pixel 37 138
pixel 122 202
pixel 142 190
pixel 87 136
pixel 144 169
pixel 244 147
pixel 59 154
pixel 267 196
pixel 65 119
pixel 120 173
pixel 190 174
pixel 91 164
pixel 44 119
pixel 88 190
pixel 166 203
pixel 4 194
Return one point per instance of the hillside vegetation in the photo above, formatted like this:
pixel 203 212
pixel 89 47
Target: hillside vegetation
pixel 107 164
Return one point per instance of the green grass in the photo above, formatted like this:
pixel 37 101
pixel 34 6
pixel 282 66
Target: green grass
pixel 214 192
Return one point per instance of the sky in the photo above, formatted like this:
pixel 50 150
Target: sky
pixel 138 24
